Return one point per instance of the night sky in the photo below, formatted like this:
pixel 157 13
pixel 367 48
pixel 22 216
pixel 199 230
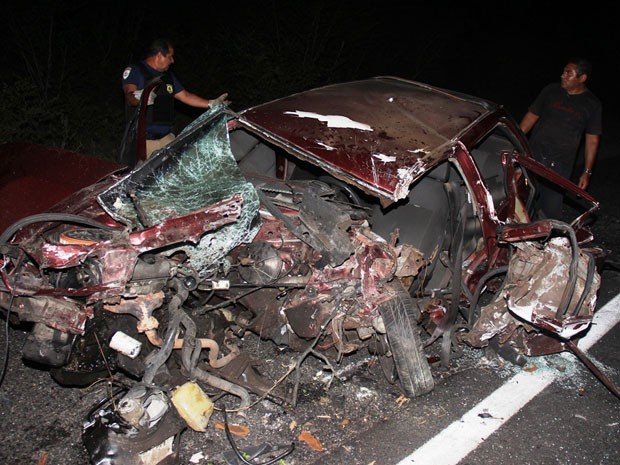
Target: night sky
pixel 502 51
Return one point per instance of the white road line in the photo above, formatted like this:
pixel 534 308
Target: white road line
pixel 452 444
pixel 604 319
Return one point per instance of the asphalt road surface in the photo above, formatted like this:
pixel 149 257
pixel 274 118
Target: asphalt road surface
pixel 483 411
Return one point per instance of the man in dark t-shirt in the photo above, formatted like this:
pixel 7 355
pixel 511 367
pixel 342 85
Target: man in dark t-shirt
pixel 558 120
pixel 160 110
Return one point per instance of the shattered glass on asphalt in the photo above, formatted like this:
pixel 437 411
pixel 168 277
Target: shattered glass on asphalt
pixel 197 170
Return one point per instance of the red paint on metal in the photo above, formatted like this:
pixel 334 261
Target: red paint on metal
pixel 188 227
pixel 392 130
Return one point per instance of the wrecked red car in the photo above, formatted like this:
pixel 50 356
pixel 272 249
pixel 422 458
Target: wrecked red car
pixel 380 214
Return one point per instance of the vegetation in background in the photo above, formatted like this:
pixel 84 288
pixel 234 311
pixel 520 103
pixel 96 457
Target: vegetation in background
pixel 61 73
pixel 61 66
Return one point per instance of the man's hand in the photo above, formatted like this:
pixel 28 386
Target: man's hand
pixel 221 99
pixel 584 180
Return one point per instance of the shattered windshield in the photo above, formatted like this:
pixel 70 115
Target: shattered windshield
pixel 196 170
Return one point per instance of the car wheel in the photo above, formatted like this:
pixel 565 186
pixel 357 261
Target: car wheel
pixel 414 372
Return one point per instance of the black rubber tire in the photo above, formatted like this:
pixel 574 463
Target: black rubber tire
pixel 414 372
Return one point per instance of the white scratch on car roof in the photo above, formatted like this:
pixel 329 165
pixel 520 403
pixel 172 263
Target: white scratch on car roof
pixel 490 202
pixel 405 178
pixel 333 121
pixel 383 157
pixel 375 178
pixel 324 145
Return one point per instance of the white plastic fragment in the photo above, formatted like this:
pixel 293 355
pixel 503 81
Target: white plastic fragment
pixel 125 344
pixel 221 285
pixel 383 157
pixel 197 457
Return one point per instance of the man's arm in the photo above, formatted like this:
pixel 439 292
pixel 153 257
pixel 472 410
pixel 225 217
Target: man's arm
pixel 192 100
pixel 528 121
pixel 199 102
pixel 128 90
pixel 591 149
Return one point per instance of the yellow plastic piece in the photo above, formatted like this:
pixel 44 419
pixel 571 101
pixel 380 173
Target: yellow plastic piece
pixel 193 405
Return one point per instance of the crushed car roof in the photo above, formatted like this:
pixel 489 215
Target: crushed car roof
pixel 383 132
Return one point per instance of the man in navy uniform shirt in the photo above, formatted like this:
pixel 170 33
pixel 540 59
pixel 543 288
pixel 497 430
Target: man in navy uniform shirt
pixel 160 110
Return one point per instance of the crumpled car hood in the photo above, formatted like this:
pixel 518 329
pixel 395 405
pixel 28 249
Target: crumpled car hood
pixel 380 134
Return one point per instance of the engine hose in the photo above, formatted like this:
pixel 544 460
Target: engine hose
pixel 474 301
pixel 176 313
pixel 586 286
pixel 223 385
pixel 195 355
pixel 50 217
pixel 190 352
pixel 241 457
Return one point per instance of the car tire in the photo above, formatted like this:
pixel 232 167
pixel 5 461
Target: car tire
pixel 398 313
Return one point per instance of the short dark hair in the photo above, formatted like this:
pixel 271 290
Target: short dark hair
pixel 582 65
pixel 160 45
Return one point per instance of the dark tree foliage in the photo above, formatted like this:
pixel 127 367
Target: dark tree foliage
pixel 60 79
pixel 61 66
